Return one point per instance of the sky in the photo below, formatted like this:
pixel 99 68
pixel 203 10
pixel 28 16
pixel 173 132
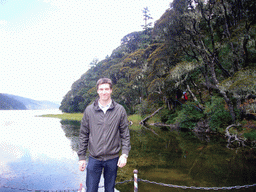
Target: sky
pixel 46 45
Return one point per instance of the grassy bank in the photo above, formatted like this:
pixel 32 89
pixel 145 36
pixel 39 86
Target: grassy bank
pixel 135 119
pixel 66 116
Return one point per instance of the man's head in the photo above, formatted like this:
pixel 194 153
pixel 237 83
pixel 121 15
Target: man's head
pixel 104 81
pixel 104 89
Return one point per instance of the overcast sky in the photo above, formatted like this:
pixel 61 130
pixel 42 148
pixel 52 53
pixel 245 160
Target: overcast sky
pixel 46 45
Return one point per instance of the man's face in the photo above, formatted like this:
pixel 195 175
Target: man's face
pixel 104 92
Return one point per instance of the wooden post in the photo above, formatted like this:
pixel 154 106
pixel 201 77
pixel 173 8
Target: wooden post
pixel 135 172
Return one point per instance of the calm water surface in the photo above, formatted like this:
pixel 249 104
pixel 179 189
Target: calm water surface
pixel 40 153
pixel 35 152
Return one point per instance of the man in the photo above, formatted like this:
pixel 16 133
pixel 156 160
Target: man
pixel 104 130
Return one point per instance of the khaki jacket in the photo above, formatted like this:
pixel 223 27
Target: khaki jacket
pixel 104 134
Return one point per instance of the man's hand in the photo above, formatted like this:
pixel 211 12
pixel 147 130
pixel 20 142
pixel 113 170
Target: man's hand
pixel 122 161
pixel 82 165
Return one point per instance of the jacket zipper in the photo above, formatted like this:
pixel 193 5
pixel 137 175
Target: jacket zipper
pixel 104 134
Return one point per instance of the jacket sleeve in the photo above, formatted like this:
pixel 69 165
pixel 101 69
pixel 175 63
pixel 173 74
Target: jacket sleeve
pixel 125 133
pixel 83 137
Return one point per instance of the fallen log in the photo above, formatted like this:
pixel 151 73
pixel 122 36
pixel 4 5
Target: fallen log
pixel 150 130
pixel 143 122
pixel 172 126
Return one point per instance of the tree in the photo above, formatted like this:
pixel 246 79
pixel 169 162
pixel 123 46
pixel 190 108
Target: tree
pixel 146 18
pixel 94 62
pixel 204 47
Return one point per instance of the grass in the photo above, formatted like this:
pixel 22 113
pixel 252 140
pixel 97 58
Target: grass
pixel 135 119
pixel 78 117
pixel 66 116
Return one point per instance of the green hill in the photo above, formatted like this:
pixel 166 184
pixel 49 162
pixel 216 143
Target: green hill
pixel 204 48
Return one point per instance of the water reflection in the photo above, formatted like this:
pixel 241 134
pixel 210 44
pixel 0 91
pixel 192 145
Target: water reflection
pixel 35 153
pixel 71 129
pixel 40 153
pixel 180 158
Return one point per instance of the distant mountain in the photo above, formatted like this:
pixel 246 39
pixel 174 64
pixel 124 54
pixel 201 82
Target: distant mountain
pixel 8 101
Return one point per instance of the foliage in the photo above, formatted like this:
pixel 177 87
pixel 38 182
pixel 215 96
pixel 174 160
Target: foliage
pixel 189 115
pixel 143 108
pixel 164 114
pixel 206 48
pixel 251 135
pixel 242 83
pixel 147 17
pixel 249 106
pixel 219 117
pixel 182 68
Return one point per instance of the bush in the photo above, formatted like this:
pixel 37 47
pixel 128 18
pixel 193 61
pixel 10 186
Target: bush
pixel 189 115
pixel 165 115
pixel 219 117
pixel 143 108
pixel 251 135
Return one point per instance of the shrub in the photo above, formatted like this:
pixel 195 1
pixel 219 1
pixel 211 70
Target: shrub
pixel 189 115
pixel 251 135
pixel 219 117
pixel 143 108
pixel 164 114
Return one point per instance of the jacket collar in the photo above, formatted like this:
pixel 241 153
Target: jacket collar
pixel 97 108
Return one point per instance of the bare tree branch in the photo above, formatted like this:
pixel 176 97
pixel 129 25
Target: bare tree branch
pixel 194 97
pixel 143 122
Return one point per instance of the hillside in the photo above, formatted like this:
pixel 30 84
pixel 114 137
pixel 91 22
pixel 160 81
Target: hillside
pixel 206 49
pixel 12 102
pixel 7 103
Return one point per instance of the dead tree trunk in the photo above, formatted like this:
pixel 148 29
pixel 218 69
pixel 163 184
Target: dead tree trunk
pixel 233 137
pixel 143 122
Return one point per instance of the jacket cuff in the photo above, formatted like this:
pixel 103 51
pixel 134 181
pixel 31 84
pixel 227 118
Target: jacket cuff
pixel 126 152
pixel 126 156
pixel 82 157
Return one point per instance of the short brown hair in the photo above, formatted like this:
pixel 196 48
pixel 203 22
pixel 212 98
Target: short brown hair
pixel 104 81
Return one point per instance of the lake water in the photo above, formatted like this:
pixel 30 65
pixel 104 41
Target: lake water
pixel 36 153
pixel 40 153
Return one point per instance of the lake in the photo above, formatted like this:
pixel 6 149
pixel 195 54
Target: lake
pixel 40 153
pixel 36 153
